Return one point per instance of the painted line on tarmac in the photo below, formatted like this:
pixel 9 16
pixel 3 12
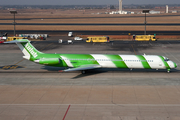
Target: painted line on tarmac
pixel 66 112
pixel 19 61
pixel 133 50
pixel 178 105
pixel 10 67
pixel 46 46
pixel 150 44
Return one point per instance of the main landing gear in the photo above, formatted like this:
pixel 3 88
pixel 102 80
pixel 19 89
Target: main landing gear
pixel 83 71
pixel 168 70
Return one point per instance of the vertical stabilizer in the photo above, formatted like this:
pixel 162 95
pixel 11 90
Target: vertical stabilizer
pixel 29 51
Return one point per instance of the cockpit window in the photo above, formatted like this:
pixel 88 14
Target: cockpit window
pixel 166 59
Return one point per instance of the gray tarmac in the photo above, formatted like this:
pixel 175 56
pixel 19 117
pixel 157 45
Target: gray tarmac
pixel 36 92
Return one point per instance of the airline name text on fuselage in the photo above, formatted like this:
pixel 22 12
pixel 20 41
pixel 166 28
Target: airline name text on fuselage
pixel 34 54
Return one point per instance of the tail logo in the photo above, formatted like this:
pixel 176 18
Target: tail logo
pixel 31 50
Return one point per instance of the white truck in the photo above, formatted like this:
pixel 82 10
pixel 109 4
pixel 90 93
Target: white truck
pixel 70 34
pixel 60 41
pixel 78 38
pixel 70 42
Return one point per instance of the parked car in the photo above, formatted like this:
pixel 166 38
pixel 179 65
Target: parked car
pixel 70 34
pixel 78 38
pixel 70 42
pixel 60 41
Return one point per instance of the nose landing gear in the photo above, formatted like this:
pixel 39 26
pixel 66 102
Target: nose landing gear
pixel 168 70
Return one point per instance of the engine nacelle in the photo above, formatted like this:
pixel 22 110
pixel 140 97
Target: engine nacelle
pixel 48 61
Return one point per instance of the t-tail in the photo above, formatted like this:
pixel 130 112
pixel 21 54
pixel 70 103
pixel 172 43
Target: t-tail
pixel 29 51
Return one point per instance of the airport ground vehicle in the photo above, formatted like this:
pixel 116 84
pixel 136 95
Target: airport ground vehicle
pixel 15 38
pixel 98 39
pixel 1 41
pixel 78 38
pixel 70 34
pixel 60 41
pixel 144 38
pixel 35 36
pixel 3 38
pixel 70 42
pixel 83 62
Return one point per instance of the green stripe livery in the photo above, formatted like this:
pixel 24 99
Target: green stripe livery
pixel 79 59
pixel 165 63
pixel 144 62
pixel 117 60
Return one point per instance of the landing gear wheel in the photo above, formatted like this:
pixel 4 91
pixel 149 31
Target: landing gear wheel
pixel 83 71
pixel 168 70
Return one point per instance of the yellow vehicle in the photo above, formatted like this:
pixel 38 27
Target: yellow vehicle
pixel 98 39
pixel 144 38
pixel 15 38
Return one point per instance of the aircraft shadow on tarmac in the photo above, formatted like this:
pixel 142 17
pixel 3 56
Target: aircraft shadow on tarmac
pixel 91 72
pixel 120 71
pixel 108 70
pixel 88 73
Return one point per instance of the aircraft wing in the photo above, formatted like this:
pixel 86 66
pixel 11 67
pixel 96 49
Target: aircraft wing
pixel 83 67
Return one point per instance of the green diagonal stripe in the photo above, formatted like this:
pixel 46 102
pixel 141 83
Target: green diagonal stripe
pixel 165 63
pixel 117 60
pixel 80 59
pixel 144 62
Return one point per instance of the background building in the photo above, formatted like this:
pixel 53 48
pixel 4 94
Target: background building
pixel 167 9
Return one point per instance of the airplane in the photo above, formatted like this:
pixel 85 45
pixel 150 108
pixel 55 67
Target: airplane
pixel 83 62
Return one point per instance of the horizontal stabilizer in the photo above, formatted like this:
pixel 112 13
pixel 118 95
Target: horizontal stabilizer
pixel 83 67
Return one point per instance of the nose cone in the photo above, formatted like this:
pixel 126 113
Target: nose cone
pixel 172 64
pixel 175 65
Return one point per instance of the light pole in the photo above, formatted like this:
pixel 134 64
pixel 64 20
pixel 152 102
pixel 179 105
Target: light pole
pixel 14 12
pixel 145 11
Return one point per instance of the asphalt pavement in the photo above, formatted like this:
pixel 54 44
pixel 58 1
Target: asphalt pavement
pixel 34 91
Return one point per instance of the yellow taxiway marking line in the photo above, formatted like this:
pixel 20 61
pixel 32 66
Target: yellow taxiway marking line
pixel 47 46
pixel 19 61
pixel 8 67
pixel 134 50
